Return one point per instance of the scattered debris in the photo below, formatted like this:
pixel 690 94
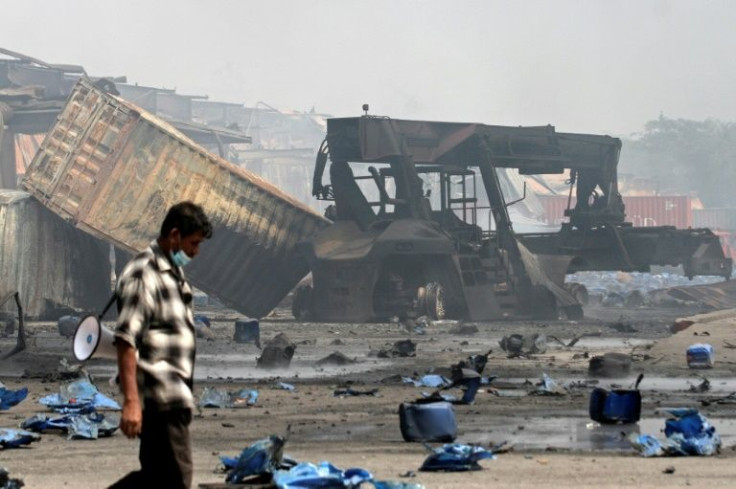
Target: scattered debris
pixel 669 470
pixel 700 355
pixel 549 387
pixel 284 386
pixel 248 331
pixel 616 406
pixel 402 348
pixel 517 345
pixel 202 328
pixel 455 458
pixel 622 327
pixel 688 433
pixel 262 458
pixel 78 426
pixel 67 325
pixel 11 438
pixel 213 397
pixel 78 397
pixel 336 359
pixel 427 421
pixel 729 399
pixel 429 380
pixel 703 386
pixel 396 485
pixel 7 483
pixel 10 398
pixel 464 329
pixel 323 475
pixel 277 353
pixel 416 326
pixel 350 392
pixel 610 365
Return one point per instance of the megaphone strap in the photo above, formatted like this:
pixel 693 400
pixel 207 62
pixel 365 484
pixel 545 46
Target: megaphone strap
pixel 108 306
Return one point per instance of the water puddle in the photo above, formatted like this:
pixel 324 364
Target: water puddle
pixel 650 383
pixel 232 366
pixel 569 433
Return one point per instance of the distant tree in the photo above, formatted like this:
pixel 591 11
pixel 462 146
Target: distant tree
pixel 687 157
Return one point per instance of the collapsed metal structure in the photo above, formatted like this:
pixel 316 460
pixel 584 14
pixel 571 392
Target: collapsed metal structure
pixel 408 236
pixel 112 170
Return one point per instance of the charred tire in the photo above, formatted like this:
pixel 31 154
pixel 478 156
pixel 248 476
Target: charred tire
pixel 302 306
pixel 431 301
pixel 579 292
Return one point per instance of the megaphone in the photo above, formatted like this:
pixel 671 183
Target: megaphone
pixel 92 339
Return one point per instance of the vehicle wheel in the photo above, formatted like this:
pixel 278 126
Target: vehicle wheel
pixel 302 307
pixel 579 291
pixel 431 301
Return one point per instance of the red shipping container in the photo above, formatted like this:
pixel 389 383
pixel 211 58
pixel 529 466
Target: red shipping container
pixel 644 211
pixel 724 219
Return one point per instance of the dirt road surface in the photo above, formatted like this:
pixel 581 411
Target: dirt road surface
pixel 554 442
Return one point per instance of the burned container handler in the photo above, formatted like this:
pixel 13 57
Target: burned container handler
pixel 155 319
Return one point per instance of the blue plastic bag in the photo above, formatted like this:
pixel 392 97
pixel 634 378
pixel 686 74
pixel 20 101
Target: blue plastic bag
pixel 10 438
pixel 260 458
pixel 10 398
pixel 455 457
pixel 321 476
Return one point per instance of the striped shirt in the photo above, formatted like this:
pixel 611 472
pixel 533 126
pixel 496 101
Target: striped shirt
pixel 155 316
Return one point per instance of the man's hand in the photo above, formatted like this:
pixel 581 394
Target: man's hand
pixel 131 421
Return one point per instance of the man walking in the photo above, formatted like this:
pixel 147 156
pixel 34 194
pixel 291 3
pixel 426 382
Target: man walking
pixel 156 324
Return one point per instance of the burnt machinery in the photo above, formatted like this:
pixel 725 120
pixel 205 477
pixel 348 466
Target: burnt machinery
pixel 597 235
pixel 421 224
pixel 408 199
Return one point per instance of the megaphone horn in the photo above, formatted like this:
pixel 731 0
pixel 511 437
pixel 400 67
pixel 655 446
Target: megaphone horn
pixel 92 339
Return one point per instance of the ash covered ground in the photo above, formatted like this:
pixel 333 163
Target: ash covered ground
pixel 552 439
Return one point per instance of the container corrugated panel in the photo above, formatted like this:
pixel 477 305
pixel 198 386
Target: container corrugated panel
pixel 114 170
pixel 722 219
pixel 641 211
pixel 51 263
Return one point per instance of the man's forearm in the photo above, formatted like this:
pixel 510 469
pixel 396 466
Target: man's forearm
pixel 127 367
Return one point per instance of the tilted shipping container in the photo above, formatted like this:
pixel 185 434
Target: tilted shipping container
pixel 113 170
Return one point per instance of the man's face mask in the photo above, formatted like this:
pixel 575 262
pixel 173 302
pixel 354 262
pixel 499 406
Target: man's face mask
pixel 180 258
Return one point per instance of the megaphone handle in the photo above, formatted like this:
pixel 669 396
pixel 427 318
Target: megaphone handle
pixel 108 306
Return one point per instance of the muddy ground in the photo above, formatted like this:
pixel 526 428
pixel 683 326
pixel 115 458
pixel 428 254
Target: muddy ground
pixel 554 442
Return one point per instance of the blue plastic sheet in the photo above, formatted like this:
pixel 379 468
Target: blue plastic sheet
pixel 10 398
pixel 688 433
pixel 77 426
pixel 396 485
pixel 455 457
pixel 431 380
pixel 260 458
pixel 213 397
pixel 78 397
pixel 11 438
pixel 321 476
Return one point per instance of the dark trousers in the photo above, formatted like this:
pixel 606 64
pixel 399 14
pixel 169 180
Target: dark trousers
pixel 165 452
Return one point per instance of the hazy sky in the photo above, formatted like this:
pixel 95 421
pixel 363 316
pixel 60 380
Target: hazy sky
pixel 588 65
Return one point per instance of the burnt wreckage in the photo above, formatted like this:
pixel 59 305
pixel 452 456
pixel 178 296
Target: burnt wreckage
pixel 410 200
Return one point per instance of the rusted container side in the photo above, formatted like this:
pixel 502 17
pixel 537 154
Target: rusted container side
pixel 53 265
pixel 114 170
pixel 642 211
pixel 723 219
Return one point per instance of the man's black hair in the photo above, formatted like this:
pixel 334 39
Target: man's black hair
pixel 188 218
